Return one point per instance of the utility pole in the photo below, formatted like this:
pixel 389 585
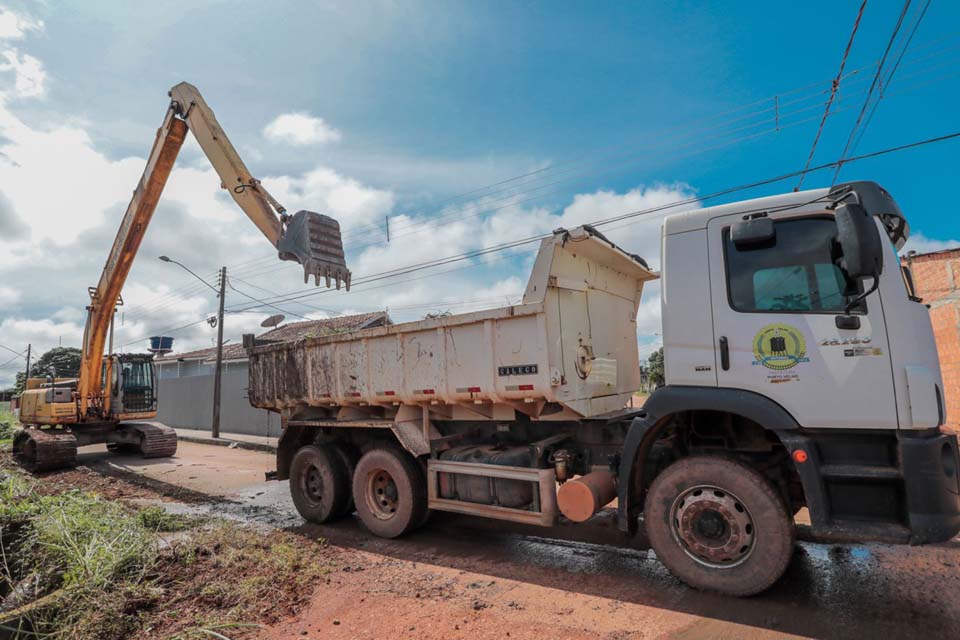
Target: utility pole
pixel 29 346
pixel 215 427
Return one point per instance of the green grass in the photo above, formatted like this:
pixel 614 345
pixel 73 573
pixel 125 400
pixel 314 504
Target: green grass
pixel 77 547
pixel 107 570
pixel 8 424
pixel 157 519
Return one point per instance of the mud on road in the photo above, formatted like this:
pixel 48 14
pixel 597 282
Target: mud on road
pixel 460 577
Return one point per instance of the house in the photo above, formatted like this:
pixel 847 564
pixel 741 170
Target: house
pixel 936 279
pixel 186 379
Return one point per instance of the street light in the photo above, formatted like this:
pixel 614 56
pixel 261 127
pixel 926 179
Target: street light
pixel 215 424
pixel 188 270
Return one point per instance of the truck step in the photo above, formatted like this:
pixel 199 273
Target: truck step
pixel 859 472
pixel 857 531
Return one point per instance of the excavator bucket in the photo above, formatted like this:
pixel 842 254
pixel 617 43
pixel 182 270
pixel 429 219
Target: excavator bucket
pixel 313 240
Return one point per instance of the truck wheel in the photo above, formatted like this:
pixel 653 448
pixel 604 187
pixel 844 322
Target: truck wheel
pixel 719 525
pixel 390 492
pixel 319 483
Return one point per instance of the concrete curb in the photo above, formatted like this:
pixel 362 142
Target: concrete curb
pixel 227 442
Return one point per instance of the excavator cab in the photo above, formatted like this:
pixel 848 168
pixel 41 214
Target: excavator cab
pixel 133 388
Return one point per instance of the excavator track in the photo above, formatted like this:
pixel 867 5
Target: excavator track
pixel 156 440
pixel 40 450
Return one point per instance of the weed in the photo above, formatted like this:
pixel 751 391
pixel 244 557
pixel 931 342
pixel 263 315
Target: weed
pixel 158 519
pixel 97 569
pixel 8 425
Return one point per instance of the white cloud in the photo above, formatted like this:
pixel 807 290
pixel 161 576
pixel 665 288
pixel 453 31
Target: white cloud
pixel 8 295
pixel 922 244
pixel 57 182
pixel 74 220
pixel 326 191
pixel 21 75
pixel 14 26
pixel 28 74
pixel 300 129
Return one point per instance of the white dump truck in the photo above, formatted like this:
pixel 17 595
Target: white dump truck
pixel 801 372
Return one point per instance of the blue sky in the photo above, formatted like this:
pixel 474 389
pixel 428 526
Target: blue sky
pixel 618 105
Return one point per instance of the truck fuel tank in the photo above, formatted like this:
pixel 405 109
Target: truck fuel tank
pixel 482 490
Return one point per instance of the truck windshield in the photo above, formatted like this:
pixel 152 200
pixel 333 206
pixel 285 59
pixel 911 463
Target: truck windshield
pixel 796 272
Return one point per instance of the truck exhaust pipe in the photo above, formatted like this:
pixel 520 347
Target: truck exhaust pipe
pixel 580 499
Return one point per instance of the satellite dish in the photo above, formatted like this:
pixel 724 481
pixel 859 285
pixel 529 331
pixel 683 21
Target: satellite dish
pixel 273 321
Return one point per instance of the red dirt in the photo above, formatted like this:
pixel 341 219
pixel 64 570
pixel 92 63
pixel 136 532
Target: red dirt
pixel 377 598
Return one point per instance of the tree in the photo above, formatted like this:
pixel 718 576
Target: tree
pixel 655 367
pixel 60 362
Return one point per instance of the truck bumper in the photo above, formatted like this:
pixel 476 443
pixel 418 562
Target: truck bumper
pixel 880 485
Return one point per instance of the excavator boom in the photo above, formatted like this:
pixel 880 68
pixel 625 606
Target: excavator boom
pixel 309 238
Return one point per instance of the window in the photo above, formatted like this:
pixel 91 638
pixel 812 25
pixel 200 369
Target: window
pixel 796 272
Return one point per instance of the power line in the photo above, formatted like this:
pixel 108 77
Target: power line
pixel 19 353
pixel 866 102
pixel 421 228
pixel 885 85
pixel 629 215
pixel 416 227
pixel 833 93
pixel 247 295
pixel 11 360
pixel 274 293
pixel 633 214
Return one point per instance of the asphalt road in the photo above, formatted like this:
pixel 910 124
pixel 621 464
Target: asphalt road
pixel 829 591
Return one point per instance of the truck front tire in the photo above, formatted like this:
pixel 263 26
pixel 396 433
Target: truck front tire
pixel 390 492
pixel 319 483
pixel 719 525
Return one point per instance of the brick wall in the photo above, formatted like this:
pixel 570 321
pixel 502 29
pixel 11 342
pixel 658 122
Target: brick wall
pixel 936 277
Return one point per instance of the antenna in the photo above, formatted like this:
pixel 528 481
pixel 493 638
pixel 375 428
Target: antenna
pixel 273 321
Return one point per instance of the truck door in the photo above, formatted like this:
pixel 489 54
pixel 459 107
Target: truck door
pixel 775 310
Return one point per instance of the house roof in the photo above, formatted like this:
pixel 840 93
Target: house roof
pixel 340 324
pixel 934 254
pixel 291 331
pixel 230 352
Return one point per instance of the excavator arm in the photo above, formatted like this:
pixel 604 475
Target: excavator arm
pixel 309 238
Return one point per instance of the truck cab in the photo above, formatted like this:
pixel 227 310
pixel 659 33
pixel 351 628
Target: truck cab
pixel 771 318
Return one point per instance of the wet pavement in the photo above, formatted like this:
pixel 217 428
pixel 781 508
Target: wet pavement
pixel 829 590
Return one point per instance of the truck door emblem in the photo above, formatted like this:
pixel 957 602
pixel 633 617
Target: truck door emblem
pixel 779 347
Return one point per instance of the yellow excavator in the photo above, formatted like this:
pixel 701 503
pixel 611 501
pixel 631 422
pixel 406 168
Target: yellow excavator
pixel 113 397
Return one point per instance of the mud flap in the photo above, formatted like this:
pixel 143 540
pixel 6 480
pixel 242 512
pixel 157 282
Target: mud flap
pixel 314 240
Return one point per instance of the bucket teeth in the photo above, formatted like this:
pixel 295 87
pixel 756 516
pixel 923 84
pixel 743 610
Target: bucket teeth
pixel 314 240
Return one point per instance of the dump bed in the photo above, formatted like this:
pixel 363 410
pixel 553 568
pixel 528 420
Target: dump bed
pixel 568 350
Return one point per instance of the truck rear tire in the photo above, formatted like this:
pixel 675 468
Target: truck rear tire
pixel 319 483
pixel 719 525
pixel 390 492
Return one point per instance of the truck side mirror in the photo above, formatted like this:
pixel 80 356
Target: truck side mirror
pixel 860 241
pixel 752 232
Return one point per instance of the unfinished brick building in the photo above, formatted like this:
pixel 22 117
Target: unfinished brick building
pixel 936 278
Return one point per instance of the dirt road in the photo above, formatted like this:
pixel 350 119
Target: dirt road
pixel 465 578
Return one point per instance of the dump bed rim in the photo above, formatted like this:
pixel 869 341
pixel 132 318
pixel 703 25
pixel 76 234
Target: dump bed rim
pixel 498 313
